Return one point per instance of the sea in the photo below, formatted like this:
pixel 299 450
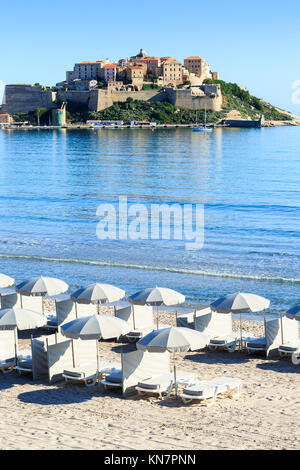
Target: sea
pixel 52 183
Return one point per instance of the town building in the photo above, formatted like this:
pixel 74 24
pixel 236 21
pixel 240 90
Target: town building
pixel 198 66
pixel 86 70
pixel 171 71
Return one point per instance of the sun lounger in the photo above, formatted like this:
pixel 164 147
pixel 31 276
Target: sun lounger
pixel 113 378
pixel 210 389
pixel 52 323
pixel 7 362
pixel 291 348
pixel 137 334
pixel 157 385
pixel 228 342
pixel 24 362
pixel 256 345
pixel 160 384
pixel 87 374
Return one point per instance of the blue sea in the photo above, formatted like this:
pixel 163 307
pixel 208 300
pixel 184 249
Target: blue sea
pixel 52 181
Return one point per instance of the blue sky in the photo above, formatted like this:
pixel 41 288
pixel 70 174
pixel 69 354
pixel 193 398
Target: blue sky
pixel 256 46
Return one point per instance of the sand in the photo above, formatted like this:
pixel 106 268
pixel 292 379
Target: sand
pixel 65 416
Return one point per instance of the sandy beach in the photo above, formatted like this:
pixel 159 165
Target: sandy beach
pixel 65 416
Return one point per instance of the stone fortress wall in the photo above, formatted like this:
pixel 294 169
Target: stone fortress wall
pixel 25 98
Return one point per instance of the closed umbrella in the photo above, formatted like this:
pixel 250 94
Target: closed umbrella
pixel 97 294
pixel 6 281
pixel 174 339
pixel 157 296
pixel 42 286
pixel 239 303
pixel 95 327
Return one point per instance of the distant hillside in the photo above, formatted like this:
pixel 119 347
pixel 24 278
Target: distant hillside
pixel 247 106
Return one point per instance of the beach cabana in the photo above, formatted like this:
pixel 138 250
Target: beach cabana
pixel 20 319
pixel 239 303
pixel 174 339
pixel 95 327
pixel 156 297
pixel 218 327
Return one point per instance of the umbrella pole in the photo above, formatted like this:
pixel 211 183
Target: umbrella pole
pixel 16 349
pixel 76 313
pixel 241 333
pixel 133 317
pixel 157 317
pixel 281 327
pixel 175 378
pixel 98 307
pixel 97 375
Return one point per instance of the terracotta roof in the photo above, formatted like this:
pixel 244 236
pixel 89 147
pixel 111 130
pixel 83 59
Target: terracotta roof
pixel 88 62
pixel 194 57
pixel 110 66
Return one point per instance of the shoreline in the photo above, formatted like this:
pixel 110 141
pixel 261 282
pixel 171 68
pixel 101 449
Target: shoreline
pixel 266 124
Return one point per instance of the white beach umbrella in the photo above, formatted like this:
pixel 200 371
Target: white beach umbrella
pixel 157 296
pixel 42 286
pixel 239 303
pixel 97 294
pixel 21 319
pixel 294 313
pixel 95 327
pixel 6 281
pixel 174 339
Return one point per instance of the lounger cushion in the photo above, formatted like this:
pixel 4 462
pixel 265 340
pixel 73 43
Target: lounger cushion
pixel 155 383
pixel 259 343
pixel 79 372
pixel 200 390
pixel 115 377
pixel 290 347
pixel 219 340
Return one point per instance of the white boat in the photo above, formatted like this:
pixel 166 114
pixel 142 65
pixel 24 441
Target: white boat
pixel 202 128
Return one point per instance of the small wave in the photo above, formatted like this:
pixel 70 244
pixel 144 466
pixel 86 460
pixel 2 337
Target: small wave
pixel 194 272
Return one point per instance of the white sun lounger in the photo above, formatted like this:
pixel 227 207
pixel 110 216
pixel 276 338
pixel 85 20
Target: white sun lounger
pixel 228 342
pixel 7 363
pixel 137 334
pixel 289 348
pixel 87 374
pixel 210 389
pixel 160 384
pixel 112 378
pixel 257 345
pixel 24 362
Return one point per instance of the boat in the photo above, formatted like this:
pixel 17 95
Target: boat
pixel 202 128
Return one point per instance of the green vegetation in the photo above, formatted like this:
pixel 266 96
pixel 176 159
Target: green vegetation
pixel 39 115
pixel 161 112
pixel 250 106
pixel 151 86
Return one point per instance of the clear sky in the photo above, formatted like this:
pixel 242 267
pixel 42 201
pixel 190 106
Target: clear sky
pixel 254 44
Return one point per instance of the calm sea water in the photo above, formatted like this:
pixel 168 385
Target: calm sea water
pixel 51 183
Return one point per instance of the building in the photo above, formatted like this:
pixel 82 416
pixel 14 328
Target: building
pixel 109 73
pixel 86 70
pixel 171 71
pixel 5 119
pixel 83 85
pixel 198 66
pixel 135 76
